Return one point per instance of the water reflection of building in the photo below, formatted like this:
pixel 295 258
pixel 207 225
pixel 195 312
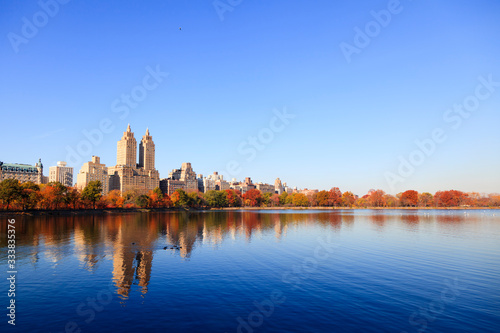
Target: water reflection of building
pixel 132 244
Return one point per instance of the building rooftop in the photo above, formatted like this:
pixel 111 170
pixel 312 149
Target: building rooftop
pixel 17 166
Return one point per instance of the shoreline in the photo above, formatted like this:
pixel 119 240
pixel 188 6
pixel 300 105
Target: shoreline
pixel 45 212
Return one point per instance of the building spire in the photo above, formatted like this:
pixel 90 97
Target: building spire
pixel 147 131
pixel 128 128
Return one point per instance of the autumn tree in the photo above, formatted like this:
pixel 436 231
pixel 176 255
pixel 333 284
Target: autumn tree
pixel 72 197
pixel 233 198
pixel 409 198
pixel 30 195
pixel 361 202
pixel 252 198
pixel 10 190
pixel 425 199
pixel 114 199
pixel 451 198
pixel 300 200
pixel 57 194
pixel 391 201
pixel 156 197
pixel 377 199
pixel 142 201
pixel 130 196
pixel 335 197
pixel 92 192
pixel 494 200
pixel 348 199
pixel 180 198
pixel 167 202
pixel 275 200
pixel 323 198
pixel 283 197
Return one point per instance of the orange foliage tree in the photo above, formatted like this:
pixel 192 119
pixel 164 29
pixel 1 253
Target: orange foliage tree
pixel 409 198
pixel 252 198
pixel 335 197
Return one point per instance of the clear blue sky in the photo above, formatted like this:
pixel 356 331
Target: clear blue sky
pixel 353 120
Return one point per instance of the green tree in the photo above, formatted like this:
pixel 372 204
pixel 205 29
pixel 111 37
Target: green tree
pixel 10 190
pixel 266 199
pixel 216 199
pixel 195 199
pixel 142 201
pixel 158 192
pixel 92 192
pixel 180 198
pixel 283 197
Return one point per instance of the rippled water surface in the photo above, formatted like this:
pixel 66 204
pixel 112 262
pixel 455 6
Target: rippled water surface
pixel 257 271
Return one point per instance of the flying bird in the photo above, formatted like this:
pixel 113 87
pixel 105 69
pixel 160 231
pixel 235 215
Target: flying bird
pixel 180 28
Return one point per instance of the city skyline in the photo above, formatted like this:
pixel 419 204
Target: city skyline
pixel 362 100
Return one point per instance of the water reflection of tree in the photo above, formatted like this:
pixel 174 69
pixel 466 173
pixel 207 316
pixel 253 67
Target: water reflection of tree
pixel 410 219
pixel 378 218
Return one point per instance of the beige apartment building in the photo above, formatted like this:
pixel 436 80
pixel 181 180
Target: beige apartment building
pixel 61 173
pixel 128 174
pixel 91 171
pixel 183 178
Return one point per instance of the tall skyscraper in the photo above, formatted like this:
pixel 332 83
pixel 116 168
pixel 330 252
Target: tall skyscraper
pixel 128 175
pixel 147 152
pixel 127 149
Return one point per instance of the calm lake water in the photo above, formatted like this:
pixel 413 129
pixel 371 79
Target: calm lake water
pixel 257 271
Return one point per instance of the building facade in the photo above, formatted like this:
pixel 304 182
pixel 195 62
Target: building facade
pixel 278 186
pixel 128 175
pixel 61 173
pixel 91 171
pixel 183 178
pixel 23 172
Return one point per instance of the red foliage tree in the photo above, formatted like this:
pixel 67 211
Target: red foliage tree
pixel 252 198
pixel 233 198
pixel 451 198
pixel 335 197
pixel 409 198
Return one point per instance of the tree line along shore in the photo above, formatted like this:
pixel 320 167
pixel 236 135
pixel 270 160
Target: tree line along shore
pixel 16 196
